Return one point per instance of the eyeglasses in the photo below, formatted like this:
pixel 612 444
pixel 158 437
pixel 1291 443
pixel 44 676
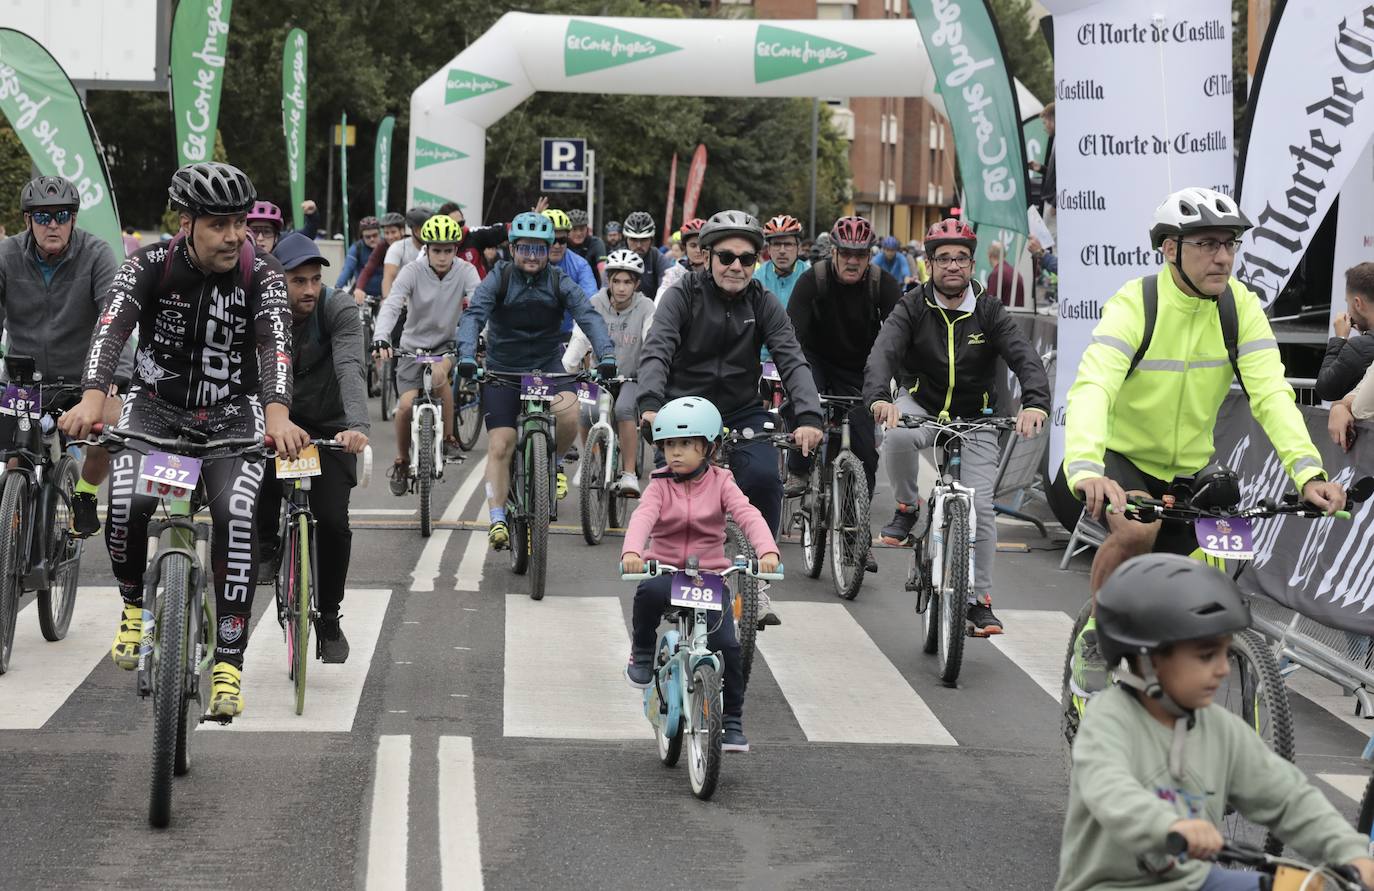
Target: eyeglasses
pixel 44 218
pixel 532 251
pixel 729 258
pixel 846 254
pixel 561 239
pixel 956 262
pixel 1209 246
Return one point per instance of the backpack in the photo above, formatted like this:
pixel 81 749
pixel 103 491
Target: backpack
pixel 1226 309
pixel 873 277
pixel 247 254
pixel 320 317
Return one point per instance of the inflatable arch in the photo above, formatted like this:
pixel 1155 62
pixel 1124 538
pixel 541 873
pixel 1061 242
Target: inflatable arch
pixel 523 52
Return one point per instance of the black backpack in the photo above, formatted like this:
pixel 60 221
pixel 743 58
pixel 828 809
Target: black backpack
pixel 873 278
pixel 1226 309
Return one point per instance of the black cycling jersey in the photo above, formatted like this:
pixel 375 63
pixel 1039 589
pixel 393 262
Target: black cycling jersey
pixel 194 328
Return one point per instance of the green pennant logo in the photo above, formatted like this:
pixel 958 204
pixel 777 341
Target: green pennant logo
pixel 780 52
pixel 430 199
pixel 428 153
pixel 462 85
pixel 591 47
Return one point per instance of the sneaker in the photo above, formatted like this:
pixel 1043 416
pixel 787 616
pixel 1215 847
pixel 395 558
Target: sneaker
pixel 766 614
pixel 639 671
pixel 399 474
pixel 333 645
pixel 453 451
pixel 124 652
pixel 870 564
pixel 1090 674
pixel 498 536
pixel 85 520
pixel 734 739
pixel 985 624
pixel 795 487
pixel 899 530
pixel 628 485
pixel 226 695
pixel 562 485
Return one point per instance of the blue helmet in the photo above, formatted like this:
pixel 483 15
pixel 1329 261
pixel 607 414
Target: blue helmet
pixel 688 416
pixel 891 242
pixel 532 225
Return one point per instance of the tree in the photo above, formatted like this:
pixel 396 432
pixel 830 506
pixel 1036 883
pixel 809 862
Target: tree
pixel 14 173
pixel 1028 56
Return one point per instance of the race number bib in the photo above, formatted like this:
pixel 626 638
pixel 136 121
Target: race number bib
pixel 430 359
pixel 21 402
pixel 307 463
pixel 706 591
pixel 770 372
pixel 1229 539
pixel 532 386
pixel 587 393
pixel 165 475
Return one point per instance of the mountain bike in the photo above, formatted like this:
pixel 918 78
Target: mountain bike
pixel 942 557
pixel 40 552
pixel 1283 873
pixel 296 586
pixel 685 697
pixel 467 406
pixel 600 500
pixel 426 435
pixel 835 504
pixel 367 313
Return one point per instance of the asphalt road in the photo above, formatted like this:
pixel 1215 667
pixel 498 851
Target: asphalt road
pixel 478 738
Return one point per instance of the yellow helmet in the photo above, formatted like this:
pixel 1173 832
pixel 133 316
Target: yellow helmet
pixel 560 220
pixel 441 229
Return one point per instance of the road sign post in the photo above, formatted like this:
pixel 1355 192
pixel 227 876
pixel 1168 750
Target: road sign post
pixel 564 167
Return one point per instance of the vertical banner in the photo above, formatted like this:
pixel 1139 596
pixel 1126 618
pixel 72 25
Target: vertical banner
pixel 1135 119
pixel 696 175
pixel 1310 114
pixel 672 195
pixel 343 173
pixel 200 38
pixel 381 157
pixel 293 94
pixel 40 103
pixel 1354 226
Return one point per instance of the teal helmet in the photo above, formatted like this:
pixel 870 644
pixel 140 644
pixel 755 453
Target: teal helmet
pixel 688 416
pixel 531 225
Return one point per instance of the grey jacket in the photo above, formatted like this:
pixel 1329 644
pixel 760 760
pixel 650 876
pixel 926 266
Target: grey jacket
pixel 327 359
pixel 54 323
pixel 433 305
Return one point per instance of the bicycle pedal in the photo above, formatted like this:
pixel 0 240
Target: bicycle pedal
pixel 218 719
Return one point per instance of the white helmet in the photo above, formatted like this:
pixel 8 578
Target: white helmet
pixel 1191 209
pixel 624 260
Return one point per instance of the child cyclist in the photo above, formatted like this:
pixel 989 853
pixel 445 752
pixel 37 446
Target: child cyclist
pixel 684 509
pixel 1154 755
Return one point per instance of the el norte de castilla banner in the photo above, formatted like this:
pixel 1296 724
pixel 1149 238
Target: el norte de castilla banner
pixel 200 40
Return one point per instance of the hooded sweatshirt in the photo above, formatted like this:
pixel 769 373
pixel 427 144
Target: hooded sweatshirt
pixel 687 519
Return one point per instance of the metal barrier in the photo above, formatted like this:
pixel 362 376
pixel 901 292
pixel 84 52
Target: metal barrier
pixel 1338 656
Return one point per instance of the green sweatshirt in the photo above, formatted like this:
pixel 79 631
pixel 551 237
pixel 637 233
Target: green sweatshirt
pixel 1122 799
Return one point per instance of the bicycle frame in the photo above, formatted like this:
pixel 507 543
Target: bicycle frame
pixel 948 487
pixel 605 410
pixel 179 533
pixel 425 404
pixel 296 512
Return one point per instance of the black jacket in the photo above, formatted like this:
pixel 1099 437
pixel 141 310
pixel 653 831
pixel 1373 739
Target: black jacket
pixel 839 327
pixel 1344 366
pixel 914 347
pixel 701 344
pixel 327 365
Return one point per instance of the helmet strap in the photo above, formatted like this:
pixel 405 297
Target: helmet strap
pixel 1178 264
pixel 1147 683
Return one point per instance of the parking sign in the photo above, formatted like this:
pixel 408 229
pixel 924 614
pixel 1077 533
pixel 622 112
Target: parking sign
pixel 564 165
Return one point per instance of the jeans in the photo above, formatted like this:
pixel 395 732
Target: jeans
pixel 755 467
pixel 651 599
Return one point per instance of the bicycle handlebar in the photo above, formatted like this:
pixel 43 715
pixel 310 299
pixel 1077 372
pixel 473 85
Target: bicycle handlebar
pixel 653 568
pixel 1147 510
pixel 513 378
pixel 1346 878
pixel 957 425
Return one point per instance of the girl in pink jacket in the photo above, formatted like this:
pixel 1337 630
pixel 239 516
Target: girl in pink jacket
pixel 684 510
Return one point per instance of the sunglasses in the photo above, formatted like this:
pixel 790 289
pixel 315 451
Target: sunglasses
pixel 728 258
pixel 561 239
pixel 44 218
pixel 847 254
pixel 532 251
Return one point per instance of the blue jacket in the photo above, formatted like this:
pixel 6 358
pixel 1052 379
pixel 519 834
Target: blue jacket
pixel 524 325
pixel 579 270
pixel 354 261
pixel 899 268
pixel 782 287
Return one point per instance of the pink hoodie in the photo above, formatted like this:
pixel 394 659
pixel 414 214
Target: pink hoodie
pixel 688 519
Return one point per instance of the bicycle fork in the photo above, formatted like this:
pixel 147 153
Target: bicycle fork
pixel 182 531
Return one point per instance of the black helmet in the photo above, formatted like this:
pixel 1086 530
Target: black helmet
pixel 393 219
pixel 639 225
pixel 577 217
pixel 1216 486
pixel 49 191
pixel 1159 599
pixel 418 216
pixel 730 223
pixel 212 188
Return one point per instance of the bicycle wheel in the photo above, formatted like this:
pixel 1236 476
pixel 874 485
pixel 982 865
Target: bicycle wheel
pixel 813 516
pixel 1255 691
pixel 1365 824
pixel 63 552
pixel 14 512
pixel 389 394
pixel 954 593
pixel 594 490
pixel 299 607
pixel 703 748
pixel 669 745
pixel 468 405
pixel 170 638
pixel 517 497
pixel 540 505
pixel 927 601
pixel 424 469
pixel 1069 714
pixel 746 597
pixel 850 536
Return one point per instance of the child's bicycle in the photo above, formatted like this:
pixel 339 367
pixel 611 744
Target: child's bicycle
pixel 426 435
pixel 1281 873
pixel 685 697
pixel 601 502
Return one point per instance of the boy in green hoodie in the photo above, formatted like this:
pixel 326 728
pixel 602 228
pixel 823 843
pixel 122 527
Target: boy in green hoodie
pixel 1154 755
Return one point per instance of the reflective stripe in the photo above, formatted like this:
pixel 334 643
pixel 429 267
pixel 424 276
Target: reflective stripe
pixel 1077 467
pixel 1163 365
pixel 1304 463
pixel 1255 346
pixel 1115 343
pixel 1209 363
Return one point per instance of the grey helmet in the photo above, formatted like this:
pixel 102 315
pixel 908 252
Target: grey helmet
pixel 577 217
pixel 418 216
pixel 393 219
pixel 639 225
pixel 49 191
pixel 732 223
pixel 213 188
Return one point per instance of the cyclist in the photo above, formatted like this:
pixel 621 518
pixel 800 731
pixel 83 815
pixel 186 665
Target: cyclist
pixel 475 242
pixel 406 250
pixel 628 314
pixel 694 257
pixel 684 510
pixel 639 230
pixel 941 343
pixel 569 262
pixel 393 231
pixel 1156 754
pixel 780 274
pixel 892 261
pixel 614 239
pixel 582 242
pixel 194 371
pixel 329 400
pixel 522 304
pixel 431 291
pixel 54 281
pixel 1132 428
pixel 369 236
pixel 265 224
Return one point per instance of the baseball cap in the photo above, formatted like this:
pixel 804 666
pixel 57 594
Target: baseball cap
pixel 294 249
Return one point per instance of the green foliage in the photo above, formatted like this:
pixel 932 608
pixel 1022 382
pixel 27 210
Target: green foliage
pixel 1028 56
pixel 14 173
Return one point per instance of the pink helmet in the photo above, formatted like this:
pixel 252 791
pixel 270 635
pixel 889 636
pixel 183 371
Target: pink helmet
pixel 265 212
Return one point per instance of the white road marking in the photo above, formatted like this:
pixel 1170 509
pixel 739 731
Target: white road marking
pixel 381 511
pixel 460 847
pixel 427 567
pixel 389 827
pixel 569 698
pixel 1329 696
pixel 43 674
pixel 332 692
pixel 469 575
pixel 839 684
pixel 1351 785
pixel 1036 641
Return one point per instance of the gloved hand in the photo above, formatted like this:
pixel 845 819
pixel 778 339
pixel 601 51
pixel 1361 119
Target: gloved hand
pixel 467 367
pixel 606 368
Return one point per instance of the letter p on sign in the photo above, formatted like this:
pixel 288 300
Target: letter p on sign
pixel 564 164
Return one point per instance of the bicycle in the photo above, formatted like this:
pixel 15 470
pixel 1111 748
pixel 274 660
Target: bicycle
pixel 467 406
pixel 367 311
pixel 1284 873
pixel 179 623
pixel 40 552
pixel 685 697
pixel 941 571
pixel 600 500
pixel 426 465
pixel 296 587
pixel 835 504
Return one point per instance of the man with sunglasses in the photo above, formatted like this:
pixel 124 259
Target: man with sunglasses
pixel 569 262
pixel 54 282
pixel 941 343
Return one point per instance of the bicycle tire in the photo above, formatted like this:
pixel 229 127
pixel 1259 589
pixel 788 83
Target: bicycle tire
pixel 424 470
pixel 389 393
pixel 468 406
pixel 669 747
pixel 850 535
pixel 813 522
pixel 63 551
pixel 747 590
pixel 594 490
pixel 930 616
pixel 1261 693
pixel 14 509
pixel 953 601
pixel 1068 711
pixel 169 683
pixel 194 687
pixel 540 507
pixel 1365 823
pixel 516 523
pixel 704 748
pixel 299 608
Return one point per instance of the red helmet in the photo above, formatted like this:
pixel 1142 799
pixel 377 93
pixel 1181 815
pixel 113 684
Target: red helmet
pixel 950 231
pixel 692 228
pixel 266 212
pixel 781 225
pixel 852 233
